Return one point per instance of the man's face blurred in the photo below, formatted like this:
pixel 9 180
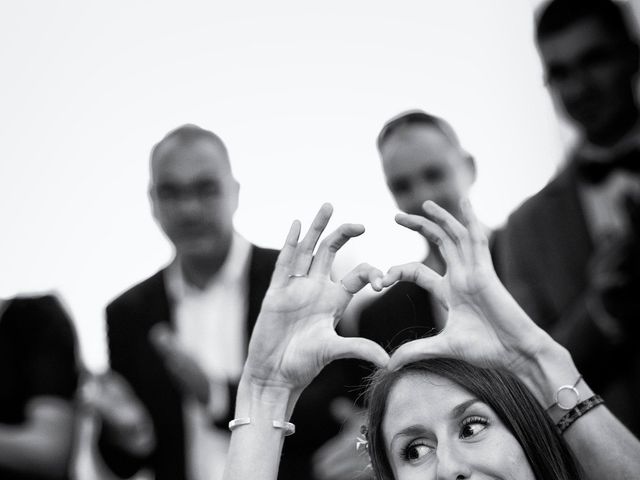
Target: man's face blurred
pixel 194 197
pixel 591 76
pixel 420 163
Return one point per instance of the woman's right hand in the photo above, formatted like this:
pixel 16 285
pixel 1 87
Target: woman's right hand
pixel 485 325
pixel 295 337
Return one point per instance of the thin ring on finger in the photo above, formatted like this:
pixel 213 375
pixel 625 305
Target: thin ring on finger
pixel 298 275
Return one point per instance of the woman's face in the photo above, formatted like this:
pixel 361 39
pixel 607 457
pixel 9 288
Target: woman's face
pixel 434 429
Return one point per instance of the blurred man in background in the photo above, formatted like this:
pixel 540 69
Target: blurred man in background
pixel 570 255
pixel 179 338
pixel 422 159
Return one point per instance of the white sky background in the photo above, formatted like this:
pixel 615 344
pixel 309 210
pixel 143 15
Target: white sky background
pixel 297 90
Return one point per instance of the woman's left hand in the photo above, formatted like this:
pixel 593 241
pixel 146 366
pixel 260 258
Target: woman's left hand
pixel 485 325
pixel 295 337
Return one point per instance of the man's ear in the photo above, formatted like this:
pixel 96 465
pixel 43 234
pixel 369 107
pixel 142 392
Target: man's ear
pixel 151 195
pixel 471 165
pixel 236 194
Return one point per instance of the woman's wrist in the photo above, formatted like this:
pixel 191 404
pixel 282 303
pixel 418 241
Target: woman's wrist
pixel 554 380
pixel 265 400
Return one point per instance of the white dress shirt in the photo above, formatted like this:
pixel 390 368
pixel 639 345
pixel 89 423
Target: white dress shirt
pixel 211 325
pixel 603 202
pixel 605 214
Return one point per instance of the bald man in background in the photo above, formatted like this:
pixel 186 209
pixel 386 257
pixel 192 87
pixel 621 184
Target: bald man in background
pixel 422 159
pixel 178 340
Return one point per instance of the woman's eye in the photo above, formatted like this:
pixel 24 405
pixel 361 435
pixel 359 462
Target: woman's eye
pixel 472 426
pixel 415 451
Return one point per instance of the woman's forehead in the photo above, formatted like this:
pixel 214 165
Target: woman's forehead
pixel 423 396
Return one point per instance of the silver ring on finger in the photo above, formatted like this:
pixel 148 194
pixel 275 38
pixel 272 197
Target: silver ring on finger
pixel 298 275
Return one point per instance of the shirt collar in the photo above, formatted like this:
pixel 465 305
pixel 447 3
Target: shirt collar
pixel 232 270
pixel 591 152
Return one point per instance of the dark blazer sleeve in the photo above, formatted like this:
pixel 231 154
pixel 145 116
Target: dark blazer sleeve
pixel 129 319
pixel 119 461
pixel 542 257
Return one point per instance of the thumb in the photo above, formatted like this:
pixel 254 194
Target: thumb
pixel 419 274
pixel 360 348
pixel 431 347
pixel 162 339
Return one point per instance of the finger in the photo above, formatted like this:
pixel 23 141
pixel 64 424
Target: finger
pixel 354 281
pixel 304 252
pixel 479 240
pixel 90 392
pixel 431 347
pixel 360 348
pixel 419 274
pixel 286 256
pixel 359 277
pixel 323 260
pixel 432 232
pixel 452 227
pixel 162 338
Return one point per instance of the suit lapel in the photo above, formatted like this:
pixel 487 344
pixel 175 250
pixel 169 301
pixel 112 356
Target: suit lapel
pixel 261 267
pixel 158 301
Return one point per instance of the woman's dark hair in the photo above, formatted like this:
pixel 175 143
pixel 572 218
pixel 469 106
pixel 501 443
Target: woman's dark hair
pixel 548 455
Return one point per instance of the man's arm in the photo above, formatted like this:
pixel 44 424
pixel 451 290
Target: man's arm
pixel 126 437
pixel 578 327
pixel 41 445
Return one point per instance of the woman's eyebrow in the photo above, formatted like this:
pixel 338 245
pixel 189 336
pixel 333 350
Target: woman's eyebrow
pixel 458 410
pixel 411 430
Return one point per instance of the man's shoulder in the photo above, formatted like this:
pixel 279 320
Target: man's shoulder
pixel 148 290
pixel 38 308
pixel 263 260
pixel 542 203
pixel 39 302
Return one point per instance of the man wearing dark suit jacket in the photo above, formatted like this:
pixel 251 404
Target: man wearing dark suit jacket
pixel 570 255
pixel 179 338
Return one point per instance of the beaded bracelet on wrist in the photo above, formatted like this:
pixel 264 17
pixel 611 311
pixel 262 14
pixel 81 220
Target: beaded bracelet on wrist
pixel 579 410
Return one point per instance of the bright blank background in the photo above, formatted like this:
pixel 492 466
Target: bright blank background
pixel 298 90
